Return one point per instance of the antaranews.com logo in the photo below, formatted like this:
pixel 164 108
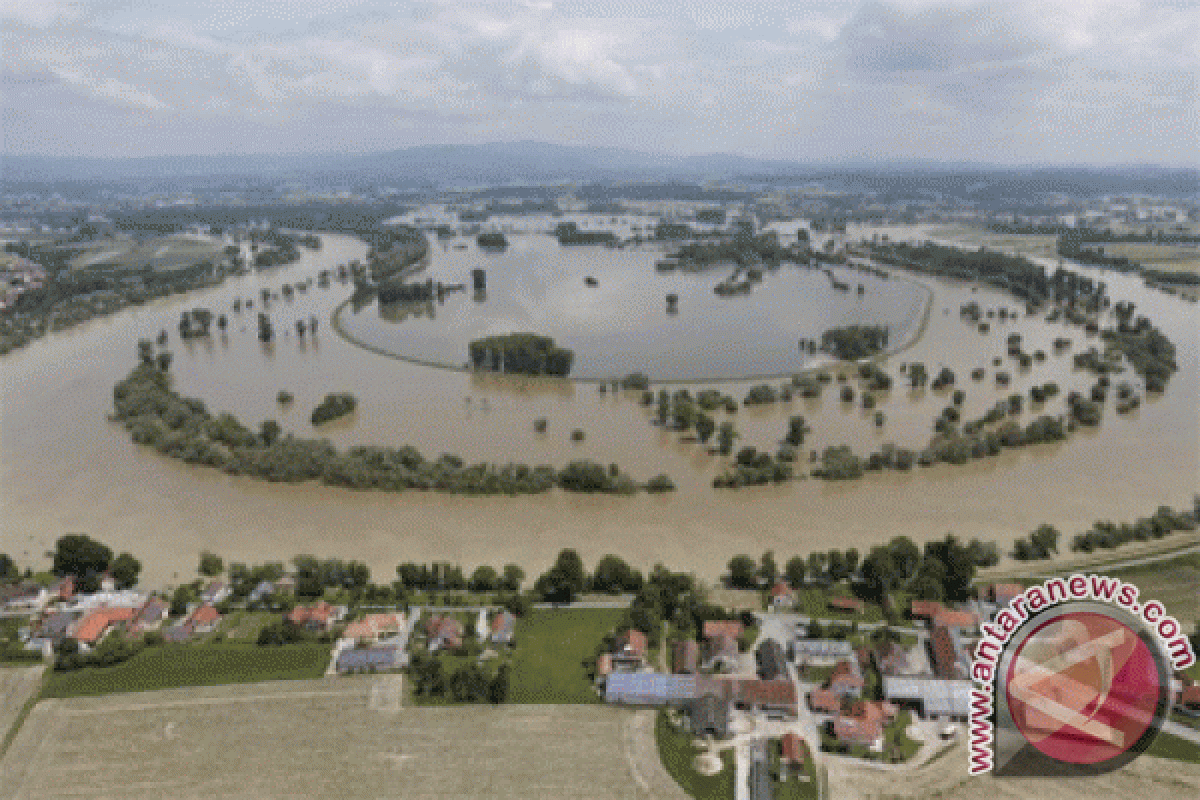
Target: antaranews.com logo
pixel 1073 677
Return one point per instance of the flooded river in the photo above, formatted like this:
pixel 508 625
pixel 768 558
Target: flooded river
pixel 65 468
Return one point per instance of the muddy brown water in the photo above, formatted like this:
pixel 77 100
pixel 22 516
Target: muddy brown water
pixel 64 467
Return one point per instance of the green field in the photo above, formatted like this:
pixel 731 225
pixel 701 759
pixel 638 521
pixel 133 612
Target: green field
pixel 1168 745
pixel 1172 582
pixel 171 666
pixel 678 754
pixel 553 651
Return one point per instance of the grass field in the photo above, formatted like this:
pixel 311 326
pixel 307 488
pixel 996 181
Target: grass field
pixel 678 754
pixel 317 739
pixel 1172 582
pixel 170 666
pixel 553 651
pixel 1168 745
pixel 1159 256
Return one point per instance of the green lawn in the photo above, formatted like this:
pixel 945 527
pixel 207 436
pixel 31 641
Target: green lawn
pixel 678 754
pixel 553 651
pixel 171 666
pixel 1168 745
pixel 814 602
pixel 245 625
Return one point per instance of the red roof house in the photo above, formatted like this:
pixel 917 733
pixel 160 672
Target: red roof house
pixel 722 627
pixel 96 625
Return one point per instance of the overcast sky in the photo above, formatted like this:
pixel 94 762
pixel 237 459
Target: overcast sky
pixel 1022 81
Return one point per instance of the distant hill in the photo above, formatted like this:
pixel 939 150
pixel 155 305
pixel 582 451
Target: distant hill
pixel 526 162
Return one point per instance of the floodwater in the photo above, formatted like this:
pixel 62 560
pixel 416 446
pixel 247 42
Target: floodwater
pixel 64 467
pixel 621 324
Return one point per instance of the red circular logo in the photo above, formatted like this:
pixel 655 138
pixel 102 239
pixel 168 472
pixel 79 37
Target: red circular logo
pixel 1083 688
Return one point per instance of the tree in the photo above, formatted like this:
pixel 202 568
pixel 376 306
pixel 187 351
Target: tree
pixel 768 571
pixel 959 566
pixel 880 574
pixel 742 572
pixel 705 427
pixel 85 558
pixel 793 571
pixel 498 688
pixel 664 407
pixel 613 575
pixel 906 557
pixel 1044 541
pixel 725 437
pixel 816 566
pixel 484 579
pixel 8 569
pixel 796 430
pixel 837 566
pixel 852 559
pixel 211 565
pixel 513 577
pixel 270 431
pixel 570 565
pixel 125 570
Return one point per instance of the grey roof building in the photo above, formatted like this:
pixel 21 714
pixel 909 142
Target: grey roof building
pixel 710 716
pixel 650 689
pixel 368 659
pixel 933 697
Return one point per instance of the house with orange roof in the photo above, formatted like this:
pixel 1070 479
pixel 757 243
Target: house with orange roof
pixel 204 619
pixel 793 755
pixel 782 595
pixel 318 617
pixel 846 679
pixel 824 701
pixel 961 620
pixel 630 649
pixel 374 627
pixel 99 623
pixel 924 609
pixel 713 628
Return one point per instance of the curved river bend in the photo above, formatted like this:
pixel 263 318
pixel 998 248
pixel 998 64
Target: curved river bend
pixel 65 468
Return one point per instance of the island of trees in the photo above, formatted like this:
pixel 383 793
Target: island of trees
pixel 568 233
pixel 852 342
pixel 182 427
pixel 522 354
pixel 492 241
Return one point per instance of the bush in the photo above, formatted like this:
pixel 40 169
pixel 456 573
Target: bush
pixel 284 398
pixel 577 435
pixel 660 483
pixel 332 407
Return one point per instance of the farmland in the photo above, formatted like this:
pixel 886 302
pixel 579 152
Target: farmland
pixel 317 739
pixel 171 666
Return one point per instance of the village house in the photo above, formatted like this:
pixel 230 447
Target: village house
pixel 685 657
pixel 777 697
pixel 204 619
pixel 94 626
pixel 722 627
pixel 782 596
pixel 891 659
pixel 721 653
pixel 150 616
pixel 771 660
pixel 863 725
pixel 629 650
pixel 950 661
pixel 368 659
pixel 215 593
pixel 504 625
pixel 846 680
pixel 374 627
pixel 962 621
pixel 443 632
pixel 824 701
pixel 793 756
pixel 709 715
pixel 318 617
pixel 925 609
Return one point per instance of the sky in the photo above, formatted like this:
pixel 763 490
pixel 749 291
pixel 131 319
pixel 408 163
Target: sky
pixel 1015 82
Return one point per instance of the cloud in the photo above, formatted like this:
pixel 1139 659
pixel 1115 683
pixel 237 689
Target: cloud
pixel 786 78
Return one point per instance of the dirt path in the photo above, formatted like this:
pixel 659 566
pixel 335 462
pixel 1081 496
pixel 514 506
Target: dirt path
pixel 641 752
